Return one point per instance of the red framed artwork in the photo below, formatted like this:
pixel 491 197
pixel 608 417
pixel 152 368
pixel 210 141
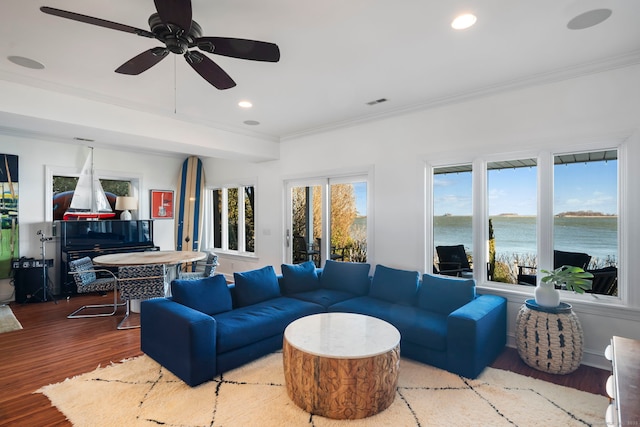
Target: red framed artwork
pixel 161 204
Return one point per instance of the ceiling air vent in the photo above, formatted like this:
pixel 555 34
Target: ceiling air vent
pixel 377 101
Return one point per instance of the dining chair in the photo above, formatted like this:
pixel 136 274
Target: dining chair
pixel 210 264
pixel 139 282
pixel 85 276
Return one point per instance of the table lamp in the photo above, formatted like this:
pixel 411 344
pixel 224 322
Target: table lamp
pixel 126 204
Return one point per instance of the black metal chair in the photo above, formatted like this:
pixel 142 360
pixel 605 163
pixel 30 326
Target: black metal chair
pixel 452 260
pixel 560 258
pixel 335 254
pixel 605 281
pixel 86 279
pixel 303 251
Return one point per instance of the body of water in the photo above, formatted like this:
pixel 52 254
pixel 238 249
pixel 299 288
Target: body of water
pixel 596 236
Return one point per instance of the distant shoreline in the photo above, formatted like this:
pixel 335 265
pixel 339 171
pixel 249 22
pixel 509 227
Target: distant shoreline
pixel 561 215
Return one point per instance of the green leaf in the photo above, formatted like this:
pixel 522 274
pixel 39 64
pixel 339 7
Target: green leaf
pixel 574 278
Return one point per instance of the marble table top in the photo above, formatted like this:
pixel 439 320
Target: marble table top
pixel 149 257
pixel 342 335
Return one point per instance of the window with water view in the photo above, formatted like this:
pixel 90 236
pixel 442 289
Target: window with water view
pixel 584 218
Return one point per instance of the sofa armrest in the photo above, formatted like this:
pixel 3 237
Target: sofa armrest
pixel 179 338
pixel 476 335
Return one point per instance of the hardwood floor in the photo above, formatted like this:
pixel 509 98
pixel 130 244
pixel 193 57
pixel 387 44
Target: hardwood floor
pixel 51 347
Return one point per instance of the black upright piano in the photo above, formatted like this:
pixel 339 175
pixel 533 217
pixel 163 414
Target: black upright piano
pixel 77 239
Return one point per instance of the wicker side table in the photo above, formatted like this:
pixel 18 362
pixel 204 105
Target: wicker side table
pixel 549 339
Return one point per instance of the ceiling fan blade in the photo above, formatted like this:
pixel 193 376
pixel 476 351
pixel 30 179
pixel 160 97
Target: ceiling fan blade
pixel 96 21
pixel 143 62
pixel 209 70
pixel 240 48
pixel 177 12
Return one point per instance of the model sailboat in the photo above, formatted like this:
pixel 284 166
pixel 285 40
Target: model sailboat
pixel 89 200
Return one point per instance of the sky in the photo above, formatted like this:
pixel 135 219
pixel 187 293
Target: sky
pixel 578 186
pixel 361 197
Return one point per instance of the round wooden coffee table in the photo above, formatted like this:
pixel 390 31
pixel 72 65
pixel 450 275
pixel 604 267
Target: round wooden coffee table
pixel 341 365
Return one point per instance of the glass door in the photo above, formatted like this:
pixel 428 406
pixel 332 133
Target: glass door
pixel 332 210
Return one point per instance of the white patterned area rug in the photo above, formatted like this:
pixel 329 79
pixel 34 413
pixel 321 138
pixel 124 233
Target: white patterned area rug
pixel 139 392
pixel 8 321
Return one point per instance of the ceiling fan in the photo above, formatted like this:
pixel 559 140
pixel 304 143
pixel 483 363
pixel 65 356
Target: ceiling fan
pixel 173 26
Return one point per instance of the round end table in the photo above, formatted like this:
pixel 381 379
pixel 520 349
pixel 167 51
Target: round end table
pixel 549 339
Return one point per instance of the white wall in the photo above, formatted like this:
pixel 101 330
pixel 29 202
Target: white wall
pixel 155 172
pixel 597 107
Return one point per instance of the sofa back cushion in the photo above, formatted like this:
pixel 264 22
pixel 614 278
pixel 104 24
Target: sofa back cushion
pixel 209 295
pixel 445 294
pixel 393 285
pixel 254 286
pixel 298 278
pixel 350 277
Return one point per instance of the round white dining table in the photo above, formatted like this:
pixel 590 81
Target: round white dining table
pixel 149 257
pixel 168 258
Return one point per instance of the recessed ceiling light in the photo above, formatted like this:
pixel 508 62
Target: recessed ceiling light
pixel 25 62
pixel 245 104
pixel 251 122
pixel 463 22
pixel 589 19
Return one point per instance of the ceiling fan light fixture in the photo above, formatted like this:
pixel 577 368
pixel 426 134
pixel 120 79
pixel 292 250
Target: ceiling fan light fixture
pixel 464 21
pixel 245 104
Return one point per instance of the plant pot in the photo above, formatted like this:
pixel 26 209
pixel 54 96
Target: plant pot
pixel 547 295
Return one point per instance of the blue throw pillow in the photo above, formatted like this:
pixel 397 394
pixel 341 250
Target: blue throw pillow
pixel 393 285
pixel 350 277
pixel 445 294
pixel 298 278
pixel 210 295
pixel 252 287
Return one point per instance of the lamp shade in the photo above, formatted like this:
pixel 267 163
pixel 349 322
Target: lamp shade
pixel 126 203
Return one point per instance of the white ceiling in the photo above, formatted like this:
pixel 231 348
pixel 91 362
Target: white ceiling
pixel 336 56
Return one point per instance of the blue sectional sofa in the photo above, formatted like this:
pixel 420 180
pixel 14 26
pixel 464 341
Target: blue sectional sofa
pixel 209 327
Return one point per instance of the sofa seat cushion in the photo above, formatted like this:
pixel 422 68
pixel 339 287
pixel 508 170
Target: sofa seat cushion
pixel 209 295
pixel 252 287
pixel 299 278
pixel 350 277
pixel 324 297
pixel 393 285
pixel 445 294
pixel 247 325
pixel 427 329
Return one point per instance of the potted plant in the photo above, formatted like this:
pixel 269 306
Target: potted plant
pixel 573 278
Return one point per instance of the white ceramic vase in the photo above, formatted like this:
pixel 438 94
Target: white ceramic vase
pixel 547 295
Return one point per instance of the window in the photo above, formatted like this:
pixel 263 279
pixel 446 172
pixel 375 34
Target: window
pixel 512 204
pixel 585 215
pixel 63 187
pixel 230 216
pixel 530 213
pixel 452 215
